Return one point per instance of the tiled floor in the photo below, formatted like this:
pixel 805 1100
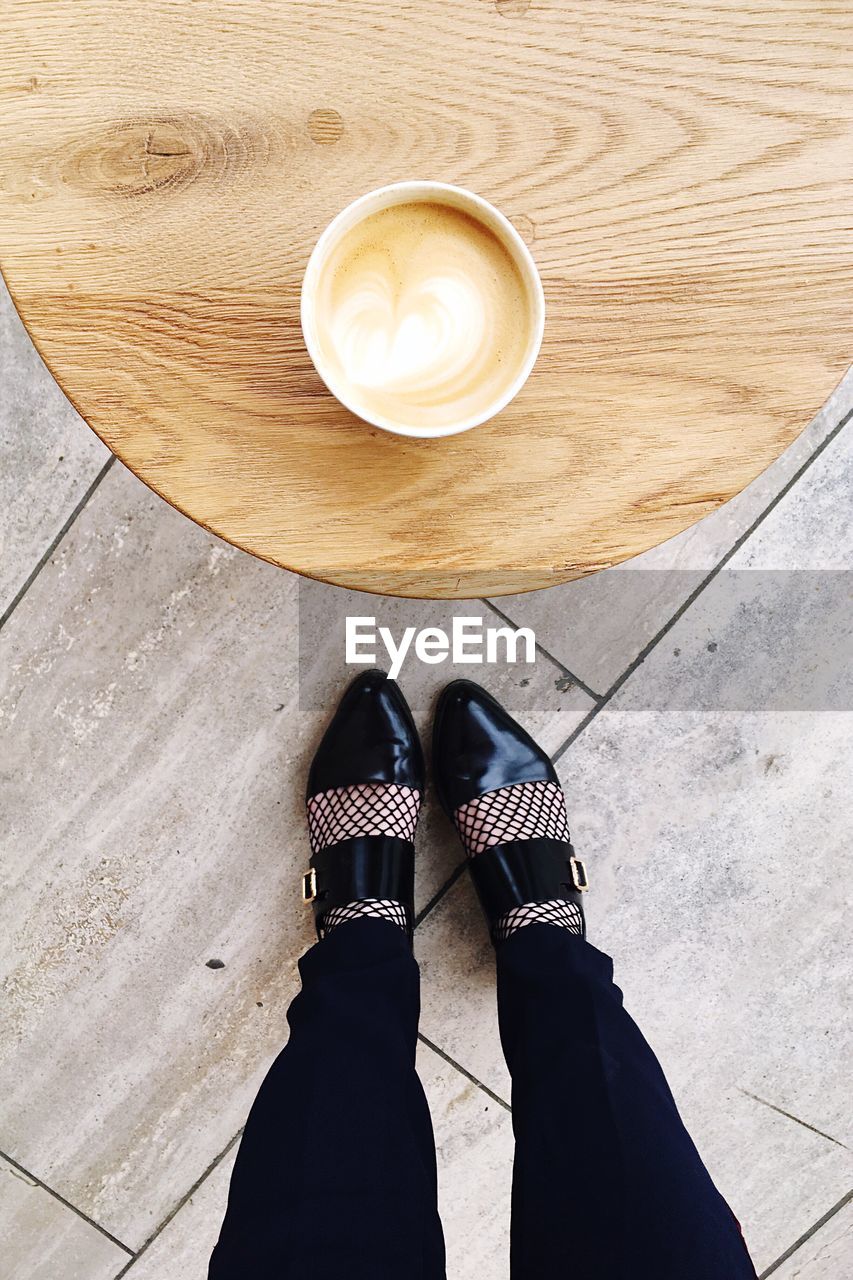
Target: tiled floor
pixel 160 695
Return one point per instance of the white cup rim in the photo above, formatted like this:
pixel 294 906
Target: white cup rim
pixel 402 193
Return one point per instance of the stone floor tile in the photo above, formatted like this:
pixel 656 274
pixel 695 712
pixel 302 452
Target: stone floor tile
pixel 599 625
pixel 827 1255
pixel 473 1136
pixel 458 1010
pixel 183 1248
pixel 726 843
pixel 474 1144
pixel 50 457
pixel 44 1240
pixel 150 750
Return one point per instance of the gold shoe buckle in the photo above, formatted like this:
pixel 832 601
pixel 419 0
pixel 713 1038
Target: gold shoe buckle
pixel 580 880
pixel 309 885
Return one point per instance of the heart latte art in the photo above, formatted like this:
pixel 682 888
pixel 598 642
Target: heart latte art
pixel 422 315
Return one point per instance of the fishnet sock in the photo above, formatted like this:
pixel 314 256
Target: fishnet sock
pixel 525 811
pixel 380 908
pixel 566 914
pixel 364 809
pixel 520 812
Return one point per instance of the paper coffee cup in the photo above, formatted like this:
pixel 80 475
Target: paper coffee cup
pixel 476 325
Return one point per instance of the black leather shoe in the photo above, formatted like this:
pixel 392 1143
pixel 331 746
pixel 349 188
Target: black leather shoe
pixel 477 748
pixel 371 738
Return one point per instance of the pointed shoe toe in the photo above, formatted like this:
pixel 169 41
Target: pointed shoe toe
pixel 370 738
pixel 478 747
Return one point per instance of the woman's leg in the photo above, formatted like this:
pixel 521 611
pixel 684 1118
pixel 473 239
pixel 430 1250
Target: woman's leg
pixel 335 1177
pixel 607 1184
pixel 607 1181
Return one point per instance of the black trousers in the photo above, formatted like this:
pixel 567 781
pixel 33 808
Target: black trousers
pixel 336 1173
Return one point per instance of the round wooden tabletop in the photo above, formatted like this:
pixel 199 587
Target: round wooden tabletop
pixel 681 172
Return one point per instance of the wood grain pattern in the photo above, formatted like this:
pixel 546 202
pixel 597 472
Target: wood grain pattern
pixel 681 171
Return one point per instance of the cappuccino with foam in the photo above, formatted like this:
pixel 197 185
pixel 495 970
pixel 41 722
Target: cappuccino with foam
pixel 423 318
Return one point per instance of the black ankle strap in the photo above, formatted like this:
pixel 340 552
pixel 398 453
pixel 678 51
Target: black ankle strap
pixel 521 871
pixel 362 867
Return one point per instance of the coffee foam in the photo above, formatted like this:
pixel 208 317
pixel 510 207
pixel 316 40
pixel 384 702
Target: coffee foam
pixel 423 315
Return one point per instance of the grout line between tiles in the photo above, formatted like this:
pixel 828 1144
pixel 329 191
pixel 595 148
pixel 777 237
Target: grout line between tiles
pixel 490 1093
pixel 546 653
pixel 90 1222
pixel 787 1114
pixel 706 581
pixel 177 1208
pixel 439 894
pixel 807 1235
pixel 16 600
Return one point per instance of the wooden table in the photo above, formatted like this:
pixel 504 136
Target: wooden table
pixel 681 171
